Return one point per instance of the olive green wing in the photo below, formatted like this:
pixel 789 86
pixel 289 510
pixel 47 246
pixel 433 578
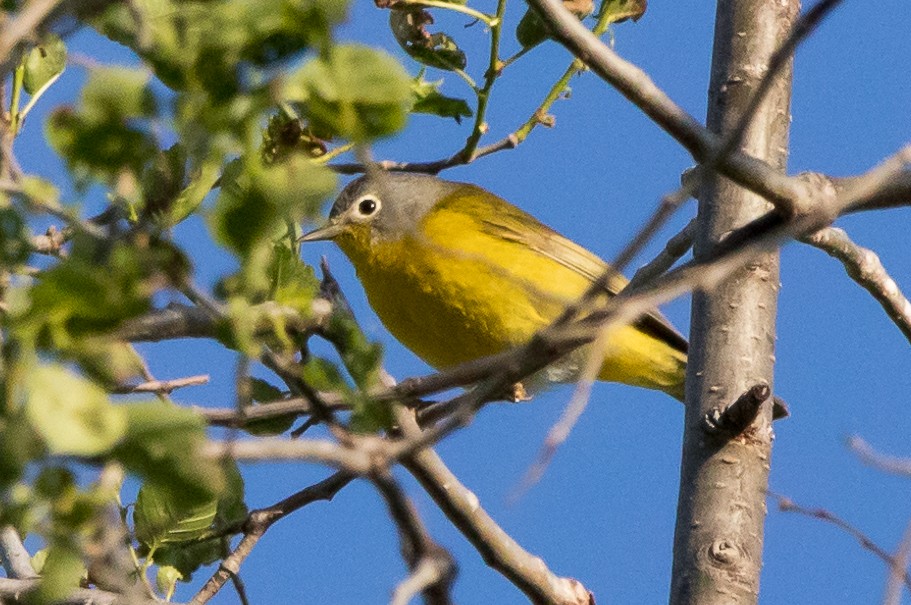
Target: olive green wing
pixel 512 224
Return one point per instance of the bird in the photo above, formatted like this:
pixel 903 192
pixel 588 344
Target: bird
pixel 456 273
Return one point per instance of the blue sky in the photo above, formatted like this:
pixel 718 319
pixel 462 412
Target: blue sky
pixel 604 512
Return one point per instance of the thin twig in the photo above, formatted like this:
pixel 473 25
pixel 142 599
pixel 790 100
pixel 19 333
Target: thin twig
pixel 162 386
pixel 894 588
pixel 636 86
pixel 673 251
pixel 431 567
pixel 864 267
pixel 884 462
pixel 358 460
pixel 895 566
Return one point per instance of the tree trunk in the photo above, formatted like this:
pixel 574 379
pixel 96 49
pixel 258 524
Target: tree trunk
pixel 721 508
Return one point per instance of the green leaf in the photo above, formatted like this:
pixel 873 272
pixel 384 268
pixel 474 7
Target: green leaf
pixel 118 92
pixel 44 63
pixel 201 182
pixel 369 416
pixel 263 391
pixel 72 415
pixel 255 199
pixel 187 558
pixel 93 291
pixel 356 92
pixel 61 571
pixel 106 134
pixel 294 283
pixel 159 519
pixel 428 99
pixel 15 244
pixel 162 444
pixel 409 26
pixel 323 375
pixel 200 45
pixel 166 579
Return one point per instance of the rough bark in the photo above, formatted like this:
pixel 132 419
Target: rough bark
pixel 721 508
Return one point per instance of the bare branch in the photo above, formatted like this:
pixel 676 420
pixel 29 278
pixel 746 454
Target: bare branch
pixel 457 159
pixel 432 567
pixel 673 251
pixel 884 462
pixel 864 267
pixel 894 587
pixel 739 415
pixel 895 193
pixel 358 460
pixel 13 555
pixel 19 591
pixel 186 321
pixel 636 86
pixel 895 565
pixel 528 572
pixel 162 386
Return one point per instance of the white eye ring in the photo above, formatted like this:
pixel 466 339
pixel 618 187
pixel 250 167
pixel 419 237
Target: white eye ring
pixel 366 206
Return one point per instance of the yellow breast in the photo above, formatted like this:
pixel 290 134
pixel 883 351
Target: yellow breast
pixel 458 288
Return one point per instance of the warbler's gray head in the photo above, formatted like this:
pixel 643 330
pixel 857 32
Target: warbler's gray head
pixel 386 205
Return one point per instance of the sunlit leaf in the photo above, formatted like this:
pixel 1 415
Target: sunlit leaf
pixel 43 63
pixel 428 99
pixel 72 415
pixel 61 571
pixel 356 92
pixel 160 519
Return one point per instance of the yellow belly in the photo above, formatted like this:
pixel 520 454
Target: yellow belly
pixel 451 302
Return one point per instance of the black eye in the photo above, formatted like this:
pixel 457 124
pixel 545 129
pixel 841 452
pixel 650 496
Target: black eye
pixel 367 206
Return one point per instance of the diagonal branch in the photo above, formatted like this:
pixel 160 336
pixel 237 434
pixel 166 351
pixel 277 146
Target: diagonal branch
pixel 864 267
pixel 498 549
pixel 259 521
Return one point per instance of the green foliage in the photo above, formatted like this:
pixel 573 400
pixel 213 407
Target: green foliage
pixel 107 133
pixel 428 99
pixel 256 198
pixel 230 66
pixel 170 193
pixel 205 44
pixel 162 444
pixel 15 247
pixel 72 415
pixel 44 63
pixel 180 536
pixel 355 92
pixel 159 519
pixel 263 392
pixel 62 571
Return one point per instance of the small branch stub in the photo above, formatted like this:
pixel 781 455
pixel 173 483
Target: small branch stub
pixel 735 418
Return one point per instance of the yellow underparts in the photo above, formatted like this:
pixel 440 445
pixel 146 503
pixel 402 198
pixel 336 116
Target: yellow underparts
pixel 451 304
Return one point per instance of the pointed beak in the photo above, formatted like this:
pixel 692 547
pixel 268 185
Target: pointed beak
pixel 328 231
